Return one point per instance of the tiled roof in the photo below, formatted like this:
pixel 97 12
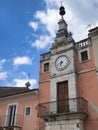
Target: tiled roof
pixel 9 91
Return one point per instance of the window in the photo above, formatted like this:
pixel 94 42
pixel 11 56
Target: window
pixel 84 55
pixel 27 111
pixel 46 67
pixel 11 115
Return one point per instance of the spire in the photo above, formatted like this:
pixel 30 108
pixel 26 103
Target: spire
pixel 62 23
pixel 62 36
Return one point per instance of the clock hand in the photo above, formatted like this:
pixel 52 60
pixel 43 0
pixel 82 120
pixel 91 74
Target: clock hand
pixel 61 63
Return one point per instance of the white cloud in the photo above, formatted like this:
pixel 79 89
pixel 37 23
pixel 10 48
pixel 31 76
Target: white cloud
pixel 42 42
pixel 3 75
pixel 96 23
pixel 52 3
pixel 75 25
pixel 78 15
pixel 1 63
pixel 21 82
pixel 49 19
pixel 33 25
pixel 24 60
pixel 84 11
pixel 23 75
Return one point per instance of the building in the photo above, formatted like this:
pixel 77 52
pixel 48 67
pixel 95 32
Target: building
pixel 68 85
pixel 17 108
pixel 69 72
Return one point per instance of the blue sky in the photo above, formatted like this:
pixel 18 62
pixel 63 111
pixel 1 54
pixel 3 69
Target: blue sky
pixel 28 28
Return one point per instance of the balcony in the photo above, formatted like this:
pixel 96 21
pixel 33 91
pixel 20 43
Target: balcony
pixel 11 121
pixel 83 44
pixel 64 107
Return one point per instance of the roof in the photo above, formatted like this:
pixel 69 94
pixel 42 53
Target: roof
pixel 93 29
pixel 9 91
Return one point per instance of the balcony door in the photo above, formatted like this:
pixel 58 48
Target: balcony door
pixel 62 97
pixel 11 115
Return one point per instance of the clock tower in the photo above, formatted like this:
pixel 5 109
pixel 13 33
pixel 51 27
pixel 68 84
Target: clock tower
pixel 64 110
pixel 62 71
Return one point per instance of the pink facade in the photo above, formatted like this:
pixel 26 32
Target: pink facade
pixel 13 111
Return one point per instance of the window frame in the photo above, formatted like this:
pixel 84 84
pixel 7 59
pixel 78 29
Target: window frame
pixel 80 55
pixel 47 66
pixel 25 111
pixel 84 55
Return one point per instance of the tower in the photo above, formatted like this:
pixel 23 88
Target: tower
pixel 65 109
pixel 62 71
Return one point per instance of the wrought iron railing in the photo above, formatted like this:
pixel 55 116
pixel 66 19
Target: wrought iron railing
pixel 11 121
pixel 65 106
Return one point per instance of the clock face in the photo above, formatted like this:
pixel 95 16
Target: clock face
pixel 61 62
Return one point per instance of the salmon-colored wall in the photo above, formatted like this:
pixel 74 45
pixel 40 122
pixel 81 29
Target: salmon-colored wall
pixel 43 75
pixel 86 65
pixel 44 85
pixel 29 122
pixel 44 90
pixel 88 89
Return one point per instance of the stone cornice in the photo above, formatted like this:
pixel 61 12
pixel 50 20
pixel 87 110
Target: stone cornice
pixel 62 51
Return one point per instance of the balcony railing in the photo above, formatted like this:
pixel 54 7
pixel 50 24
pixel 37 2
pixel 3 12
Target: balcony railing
pixel 12 121
pixel 83 44
pixel 67 106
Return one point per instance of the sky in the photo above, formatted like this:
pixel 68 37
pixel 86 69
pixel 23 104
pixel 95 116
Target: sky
pixel 28 28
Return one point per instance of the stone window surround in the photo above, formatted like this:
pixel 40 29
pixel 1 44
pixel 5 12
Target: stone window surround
pixel 79 53
pixel 43 66
pixel 26 109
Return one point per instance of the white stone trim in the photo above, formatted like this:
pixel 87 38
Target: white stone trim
pixel 11 104
pixel 25 110
pixel 79 53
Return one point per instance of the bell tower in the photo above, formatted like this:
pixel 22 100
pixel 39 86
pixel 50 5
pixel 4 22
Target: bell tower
pixel 65 110
pixel 63 62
